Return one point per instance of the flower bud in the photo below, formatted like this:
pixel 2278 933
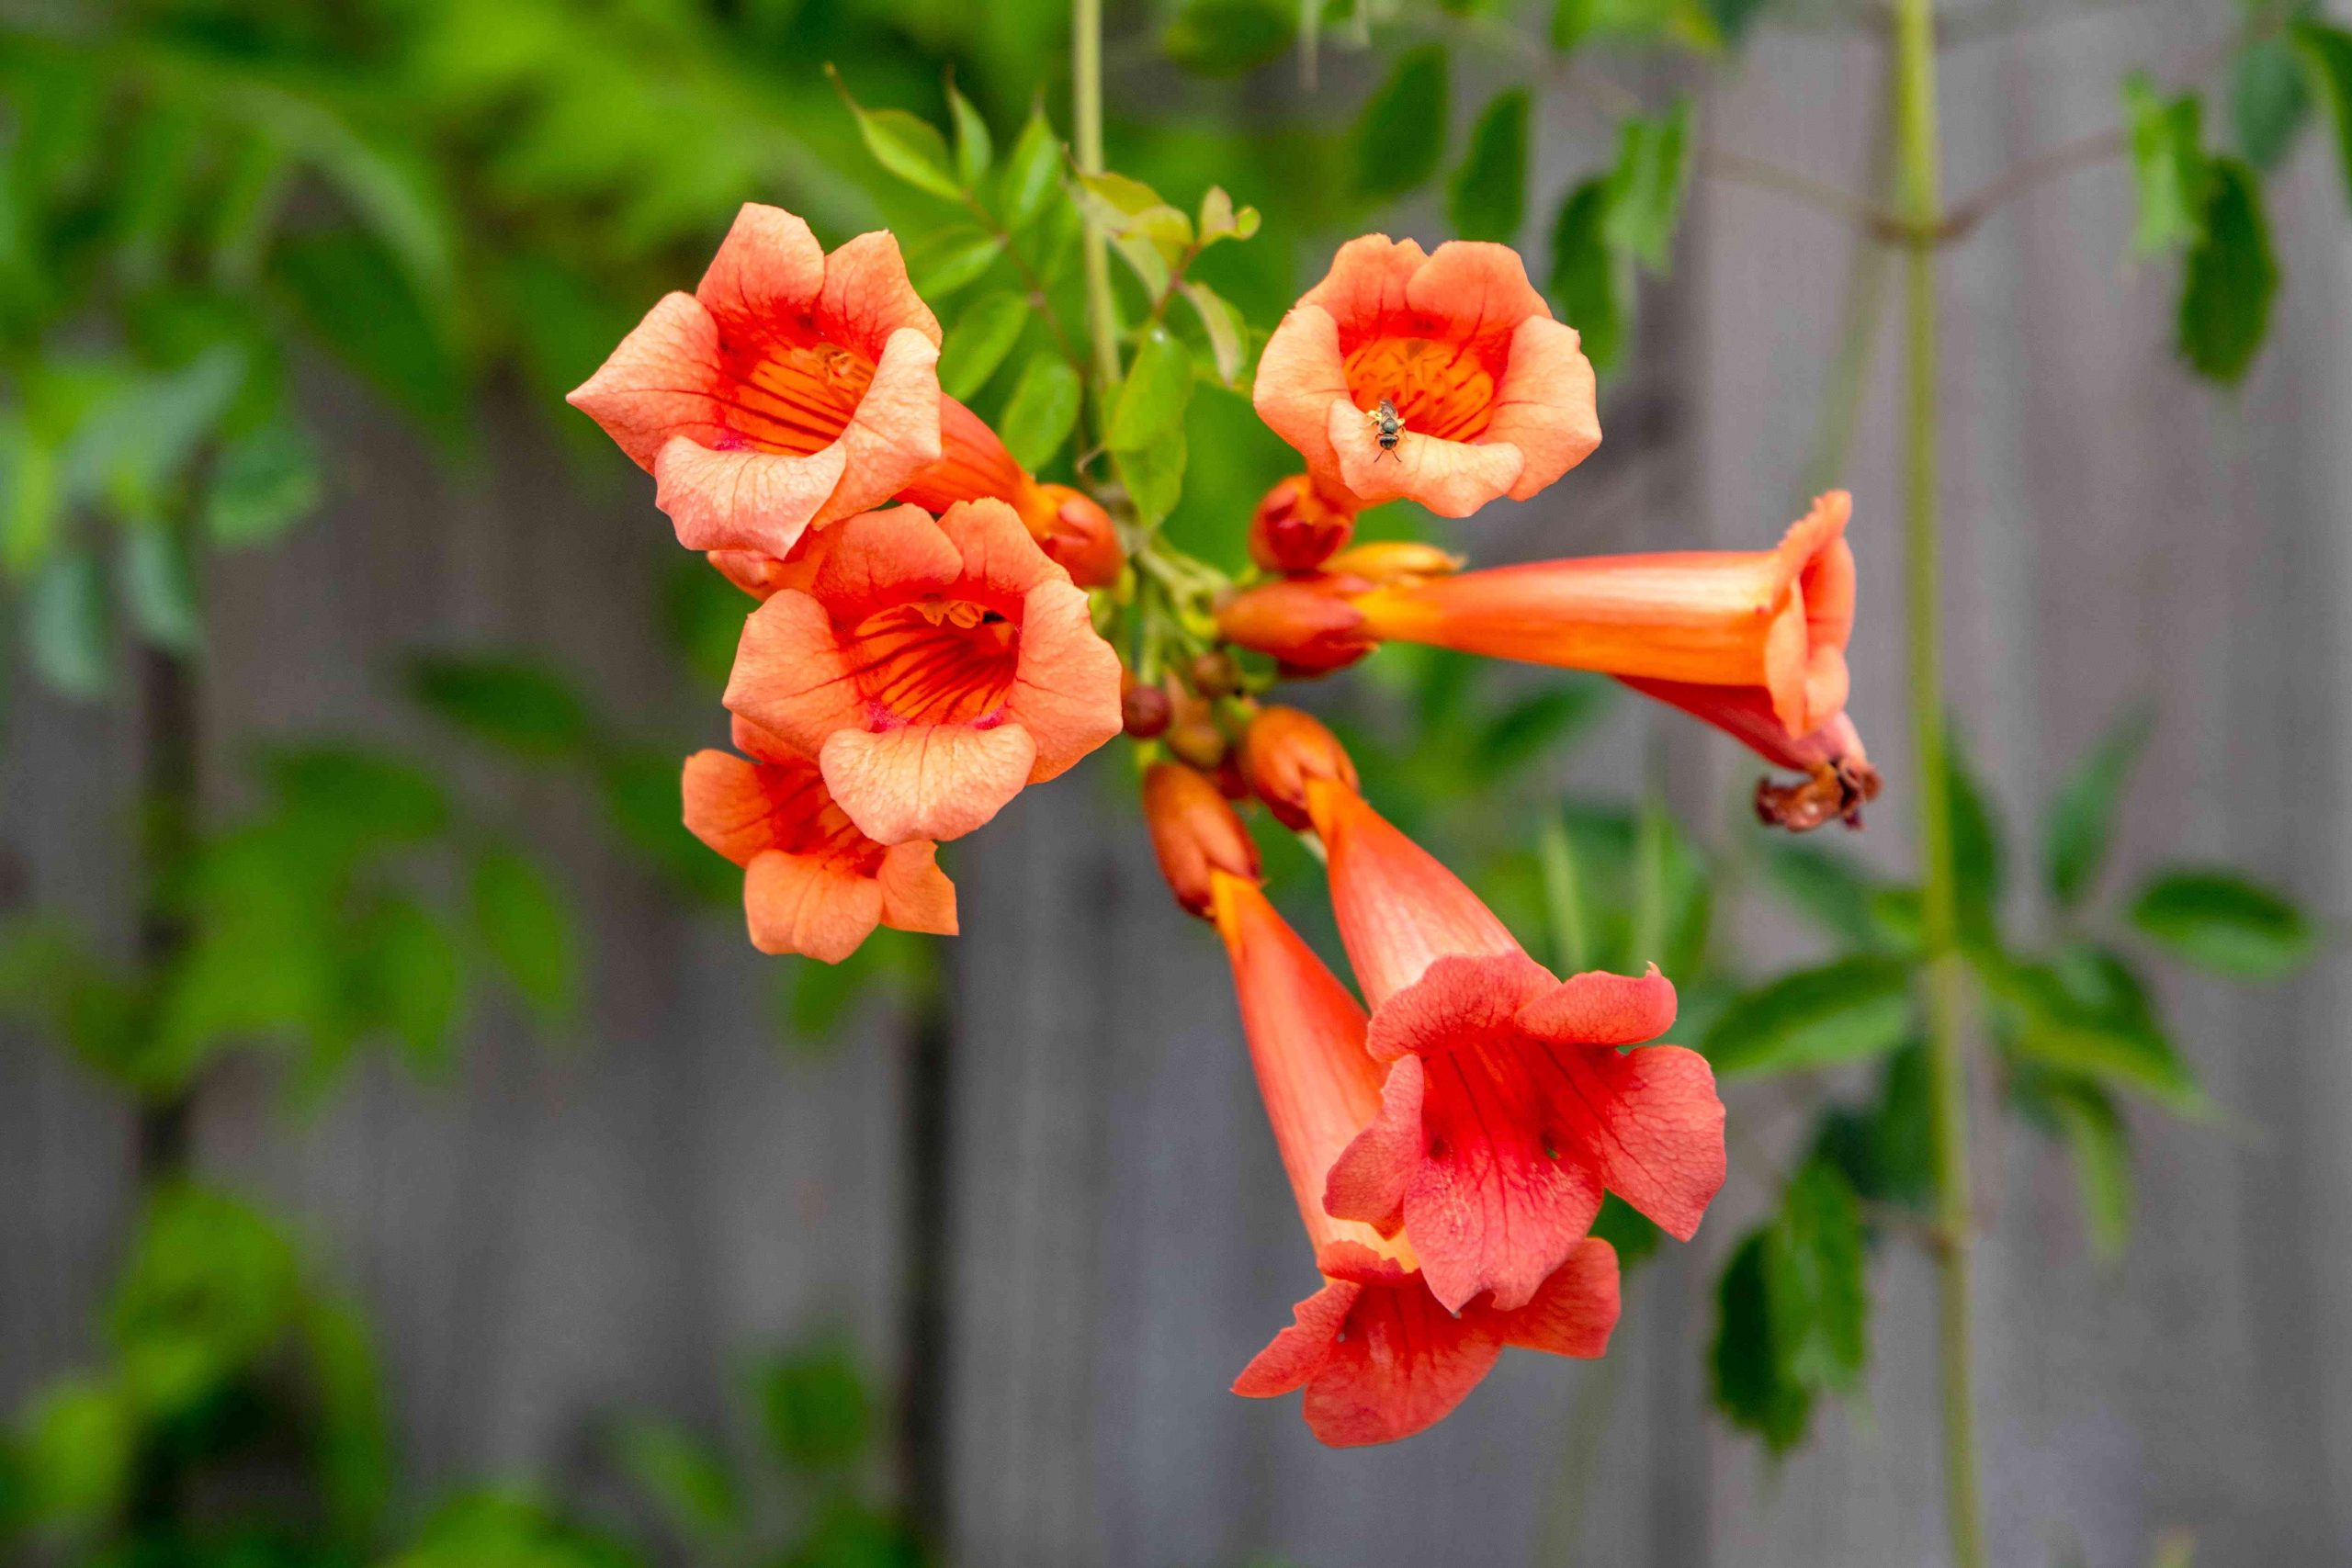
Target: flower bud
pixel 1145 711
pixel 1195 738
pixel 1078 536
pixel 1305 623
pixel 1295 528
pixel 1281 751
pixel 1394 561
pixel 1216 675
pixel 1195 832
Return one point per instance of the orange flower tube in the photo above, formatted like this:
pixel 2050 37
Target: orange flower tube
pixel 1510 1107
pixel 1436 378
pixel 812 883
pixel 1071 528
pixel 790 390
pixel 930 669
pixel 1377 1355
pixel 1776 620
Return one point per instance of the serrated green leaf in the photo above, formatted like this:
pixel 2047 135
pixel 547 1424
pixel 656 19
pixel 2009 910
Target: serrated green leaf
pixel 2082 819
pixel 906 146
pixel 2221 921
pixel 979 342
pixel 2328 52
pixel 406 979
pixel 1229 38
pixel 1646 188
pixel 975 149
pixel 2168 165
pixel 1041 412
pixel 522 707
pixel 2231 280
pixel 1885 1148
pixel 67 625
pixel 1816 1277
pixel 526 928
pixel 1591 284
pixel 1401 137
pixel 1748 1369
pixel 1030 171
pixel 1147 427
pixel 951 258
pixel 265 481
pixel 2270 101
pixel 1220 219
pixel 1841 1011
pixel 1487 199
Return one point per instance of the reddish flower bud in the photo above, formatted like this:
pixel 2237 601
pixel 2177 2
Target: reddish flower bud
pixel 1303 622
pixel 1282 750
pixel 1216 675
pixel 1078 534
pixel 1145 709
pixel 1195 738
pixel 1296 528
pixel 1394 561
pixel 1195 832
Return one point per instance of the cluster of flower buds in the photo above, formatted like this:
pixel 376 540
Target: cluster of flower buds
pixel 911 667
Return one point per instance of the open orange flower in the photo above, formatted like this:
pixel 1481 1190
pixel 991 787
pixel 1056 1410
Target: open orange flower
pixel 1492 396
pixel 1510 1107
pixel 1378 1355
pixel 812 883
pixel 790 389
pixel 930 669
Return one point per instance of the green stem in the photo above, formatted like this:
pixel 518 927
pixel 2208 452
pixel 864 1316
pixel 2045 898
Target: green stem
pixel 1563 896
pixel 1919 155
pixel 1086 112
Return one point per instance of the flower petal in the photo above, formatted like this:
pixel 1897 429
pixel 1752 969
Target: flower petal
pixel 1473 292
pixel 741 498
pixel 1453 478
pixel 1298 1352
pixel 769 269
pixel 1399 910
pixel 895 433
pixel 878 559
pixel 1369 1179
pixel 1066 686
pixel 1400 1366
pixel 725 806
pixel 1001 560
pixel 916 894
pixel 925 781
pixel 1367 292
pixel 1300 380
pixel 1600 1009
pixel 867 300
pixel 1545 404
pixel 791 679
pixel 660 382
pixel 1575 1309
pixel 1651 1119
pixel 809 905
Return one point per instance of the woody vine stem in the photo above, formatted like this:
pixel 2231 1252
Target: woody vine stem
pixel 1918 155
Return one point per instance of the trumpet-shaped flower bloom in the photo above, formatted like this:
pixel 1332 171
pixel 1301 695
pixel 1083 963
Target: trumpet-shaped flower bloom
pixel 1195 832
pixel 1378 1355
pixel 812 883
pixel 1774 621
pixel 1510 1107
pixel 930 668
pixel 790 389
pixel 1491 396
pixel 1071 528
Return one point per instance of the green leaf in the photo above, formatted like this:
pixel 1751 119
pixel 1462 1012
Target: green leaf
pixel 266 481
pixel 161 420
pixel 1041 412
pixel 363 307
pixel 1571 24
pixel 641 795
pixel 527 931
pixel 1151 235
pixel 1815 1276
pixel 2219 921
pixel 2168 165
pixel 1826 888
pixel 955 257
pixel 2231 280
pixel 521 707
pixel 352 1448
pixel 1646 188
pixel 2090 1019
pixel 1146 428
pixel 2328 52
pixel 1976 849
pixel 1732 17
pixel 1030 171
pixel 81 1443
pixel 980 341
pixel 2082 819
pixel 1885 1149
pixel 67 625
pixel 2270 101
pixel 1591 283
pixel 361 795
pixel 1841 1011
pixel 1222 324
pixel 905 145
pixel 813 1403
pixel 406 978
pixel 1538 725
pixel 1487 196
pixel 975 149
pixel 683 1478
pixel 1401 137
pixel 159 586
pixel 1220 219
pixel 29 506
pixel 211 1288
pixel 2101 1147
pixel 1752 1385
pixel 1229 38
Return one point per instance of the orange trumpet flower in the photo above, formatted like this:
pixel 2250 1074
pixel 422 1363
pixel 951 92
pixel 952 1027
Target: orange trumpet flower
pixel 1510 1107
pixel 790 390
pixel 1378 1355
pixel 930 669
pixel 1071 526
pixel 812 883
pixel 1440 379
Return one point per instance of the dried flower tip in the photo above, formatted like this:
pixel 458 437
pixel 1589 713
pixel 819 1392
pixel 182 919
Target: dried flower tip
pixel 1833 791
pixel 1282 750
pixel 1195 833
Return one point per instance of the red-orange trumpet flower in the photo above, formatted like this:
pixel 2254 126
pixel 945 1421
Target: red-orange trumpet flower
pixel 1440 379
pixel 1379 1357
pixel 930 668
pixel 812 883
pixel 1072 529
pixel 790 389
pixel 1509 1107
